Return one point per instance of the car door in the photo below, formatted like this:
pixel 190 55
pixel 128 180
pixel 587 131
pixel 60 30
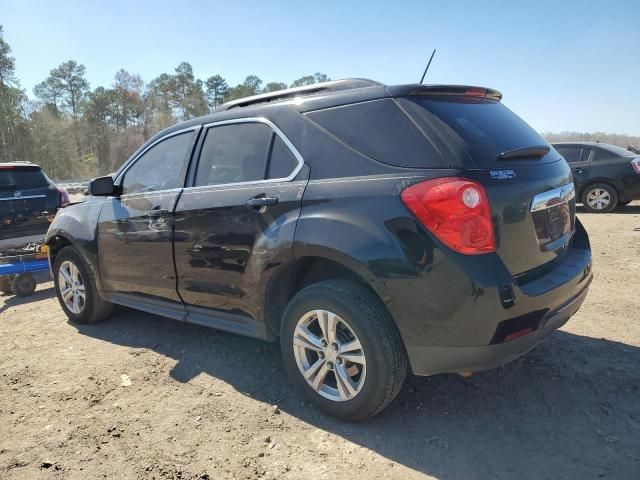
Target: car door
pixel 236 224
pixel 579 160
pixel 135 228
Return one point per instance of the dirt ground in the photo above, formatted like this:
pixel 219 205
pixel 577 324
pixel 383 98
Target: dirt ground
pixel 140 396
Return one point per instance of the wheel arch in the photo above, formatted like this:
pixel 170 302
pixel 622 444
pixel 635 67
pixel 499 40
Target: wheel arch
pixel 593 181
pixel 310 269
pixel 55 243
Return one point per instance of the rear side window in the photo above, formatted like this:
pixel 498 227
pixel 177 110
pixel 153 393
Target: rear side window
pixel 282 162
pixel 471 129
pixel 382 131
pixel 570 154
pixel 234 153
pixel 22 178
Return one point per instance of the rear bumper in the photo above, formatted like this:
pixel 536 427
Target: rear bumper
pixel 432 360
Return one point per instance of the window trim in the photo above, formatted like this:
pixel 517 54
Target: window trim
pixel 275 130
pixel 135 159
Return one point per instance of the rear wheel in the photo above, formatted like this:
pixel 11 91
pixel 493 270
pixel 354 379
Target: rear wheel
pixel 23 285
pixel 599 198
pixel 76 288
pixel 342 350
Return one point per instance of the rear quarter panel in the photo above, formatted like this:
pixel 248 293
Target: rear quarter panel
pixel 362 224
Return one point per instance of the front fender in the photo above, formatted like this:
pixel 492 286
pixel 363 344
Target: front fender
pixel 77 224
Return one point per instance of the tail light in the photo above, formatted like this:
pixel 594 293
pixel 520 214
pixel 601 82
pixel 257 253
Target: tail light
pixel 456 210
pixel 64 197
pixel 635 163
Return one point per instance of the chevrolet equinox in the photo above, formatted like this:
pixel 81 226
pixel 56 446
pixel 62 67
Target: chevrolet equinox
pixel 370 228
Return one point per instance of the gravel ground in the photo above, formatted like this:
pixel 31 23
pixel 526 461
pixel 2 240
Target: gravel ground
pixel 139 396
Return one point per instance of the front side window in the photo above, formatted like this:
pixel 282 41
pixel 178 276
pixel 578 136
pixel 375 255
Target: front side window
pixel 162 167
pixel 234 153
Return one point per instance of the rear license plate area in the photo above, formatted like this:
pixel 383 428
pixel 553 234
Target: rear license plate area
pixel 552 223
pixel 553 215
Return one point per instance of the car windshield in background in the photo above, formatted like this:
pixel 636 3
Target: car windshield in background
pixel 482 128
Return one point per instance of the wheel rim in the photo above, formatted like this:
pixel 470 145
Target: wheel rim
pixel 598 198
pixel 71 286
pixel 329 355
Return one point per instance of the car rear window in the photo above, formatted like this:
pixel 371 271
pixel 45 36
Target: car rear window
pixel 619 151
pixel 473 131
pixel 382 131
pixel 22 178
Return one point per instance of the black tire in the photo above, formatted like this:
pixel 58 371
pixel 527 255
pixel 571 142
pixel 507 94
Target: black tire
pixel 613 198
pixel 382 345
pixel 5 285
pixel 95 308
pixel 23 284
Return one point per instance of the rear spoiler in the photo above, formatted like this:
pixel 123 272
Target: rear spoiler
pixel 458 90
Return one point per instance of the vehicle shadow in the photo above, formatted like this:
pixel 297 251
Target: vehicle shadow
pixel 13 300
pixel 631 209
pixel 568 409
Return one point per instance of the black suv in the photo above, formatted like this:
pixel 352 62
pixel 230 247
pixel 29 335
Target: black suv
pixel 369 227
pixel 28 200
pixel 605 176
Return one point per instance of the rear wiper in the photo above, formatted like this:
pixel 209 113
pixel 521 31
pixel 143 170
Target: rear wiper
pixel 534 151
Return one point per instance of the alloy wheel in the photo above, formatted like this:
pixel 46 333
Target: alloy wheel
pixel 72 287
pixel 598 198
pixel 329 355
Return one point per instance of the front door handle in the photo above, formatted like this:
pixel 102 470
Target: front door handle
pixel 259 202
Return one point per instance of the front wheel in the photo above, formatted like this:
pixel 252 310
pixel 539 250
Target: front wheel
pixel 76 288
pixel 599 198
pixel 342 350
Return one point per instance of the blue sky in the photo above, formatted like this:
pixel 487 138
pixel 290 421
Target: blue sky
pixel 561 65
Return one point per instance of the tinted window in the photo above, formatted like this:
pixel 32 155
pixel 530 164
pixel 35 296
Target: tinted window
pixel 234 153
pixel 162 167
pixel 22 178
pixel 586 154
pixel 381 130
pixel 473 129
pixel 570 154
pixel 282 161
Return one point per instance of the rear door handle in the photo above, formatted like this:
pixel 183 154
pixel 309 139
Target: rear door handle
pixel 259 202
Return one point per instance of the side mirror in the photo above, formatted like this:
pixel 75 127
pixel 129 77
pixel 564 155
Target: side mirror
pixel 102 186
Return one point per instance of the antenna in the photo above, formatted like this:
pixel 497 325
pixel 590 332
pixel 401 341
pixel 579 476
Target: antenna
pixel 428 65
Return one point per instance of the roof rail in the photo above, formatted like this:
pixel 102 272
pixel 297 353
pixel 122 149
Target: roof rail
pixel 333 86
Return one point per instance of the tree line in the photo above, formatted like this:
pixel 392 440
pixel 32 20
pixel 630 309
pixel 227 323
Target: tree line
pixel 623 141
pixel 74 131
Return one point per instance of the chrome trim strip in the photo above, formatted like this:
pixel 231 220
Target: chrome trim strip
pixel 25 197
pixel 553 197
pixel 278 132
pixel 263 120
